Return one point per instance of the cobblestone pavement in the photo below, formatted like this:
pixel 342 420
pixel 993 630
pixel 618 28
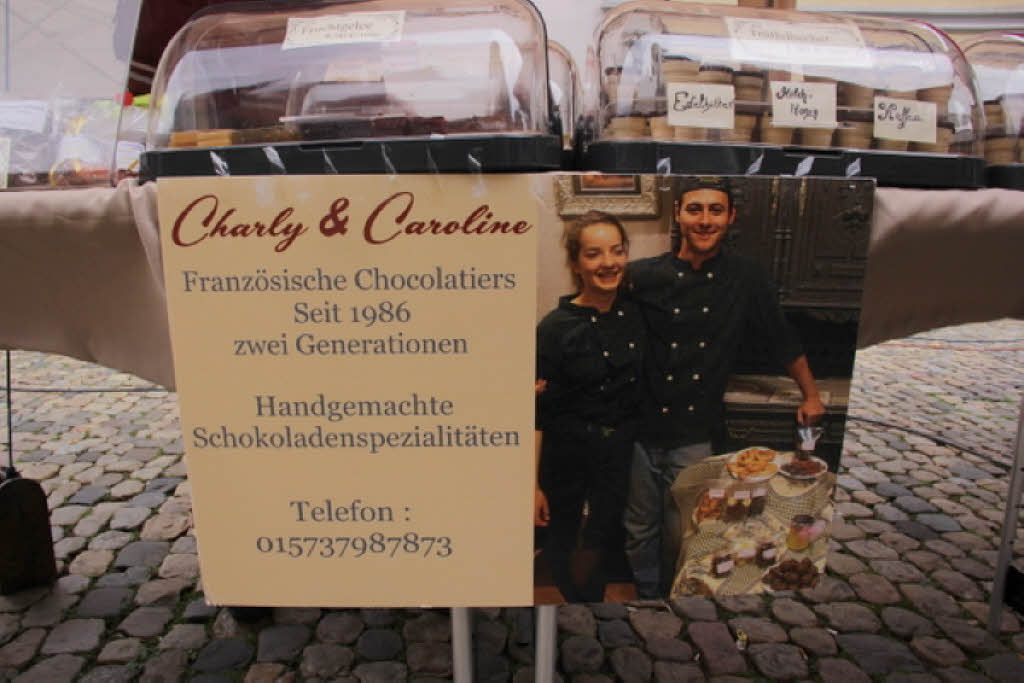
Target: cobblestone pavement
pixel 921 497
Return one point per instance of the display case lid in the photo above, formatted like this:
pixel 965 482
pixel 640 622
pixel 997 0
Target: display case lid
pixel 778 91
pixel 565 88
pixel 317 73
pixel 997 58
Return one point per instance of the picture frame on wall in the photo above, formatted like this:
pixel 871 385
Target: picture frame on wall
pixel 626 196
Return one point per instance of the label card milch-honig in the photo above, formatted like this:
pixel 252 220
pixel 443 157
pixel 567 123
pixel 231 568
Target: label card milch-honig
pixel 348 352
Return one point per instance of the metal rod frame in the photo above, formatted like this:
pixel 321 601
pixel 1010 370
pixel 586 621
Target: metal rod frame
pixel 995 608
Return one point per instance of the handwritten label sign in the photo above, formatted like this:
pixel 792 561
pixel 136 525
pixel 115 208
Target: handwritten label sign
pixel 898 119
pixel 705 105
pixel 357 27
pixel 804 105
pixel 354 357
pixel 786 42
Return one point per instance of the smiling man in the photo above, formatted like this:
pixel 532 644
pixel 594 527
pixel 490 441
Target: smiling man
pixel 698 303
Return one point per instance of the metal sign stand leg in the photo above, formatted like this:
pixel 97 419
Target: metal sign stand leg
pixel 544 659
pixel 995 608
pixel 462 645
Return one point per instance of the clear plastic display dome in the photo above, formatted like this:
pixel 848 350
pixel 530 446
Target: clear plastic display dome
pixel 702 88
pixel 998 62
pixel 565 88
pixel 308 73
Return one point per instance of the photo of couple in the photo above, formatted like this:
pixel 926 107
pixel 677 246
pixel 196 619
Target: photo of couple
pixel 642 492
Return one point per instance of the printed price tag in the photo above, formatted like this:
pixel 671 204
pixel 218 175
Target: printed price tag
pixel 704 105
pixel 358 27
pixel 5 161
pixel 909 120
pixel 804 105
pixel 820 43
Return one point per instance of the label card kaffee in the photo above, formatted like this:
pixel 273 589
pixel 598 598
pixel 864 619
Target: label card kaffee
pixel 803 104
pixel 899 119
pixel 703 105
pixel 348 350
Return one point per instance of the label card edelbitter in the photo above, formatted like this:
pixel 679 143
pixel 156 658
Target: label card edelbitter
pixel 348 352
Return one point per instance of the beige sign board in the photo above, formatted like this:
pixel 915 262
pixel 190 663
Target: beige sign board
pixel 803 104
pixel 705 105
pixel 355 360
pixel 899 119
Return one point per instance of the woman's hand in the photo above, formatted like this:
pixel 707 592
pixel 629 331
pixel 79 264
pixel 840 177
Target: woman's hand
pixel 539 386
pixel 541 514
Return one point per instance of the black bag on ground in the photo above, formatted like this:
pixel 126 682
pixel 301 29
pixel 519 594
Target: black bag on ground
pixel 26 544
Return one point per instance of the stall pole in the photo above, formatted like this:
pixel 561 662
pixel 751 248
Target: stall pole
pixel 544 664
pixel 10 472
pixel 995 609
pixel 462 646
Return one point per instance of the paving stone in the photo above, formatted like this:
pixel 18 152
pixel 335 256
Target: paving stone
pixel 91 563
pixel 897 571
pixel 957 584
pixel 872 550
pixel 68 514
pixel 874 527
pixel 294 615
pixel 869 498
pixel 905 623
pixel 328 660
pixel 222 654
pixel 161 527
pixel 829 589
pixel 617 633
pixel 60 669
pixel 846 532
pixel 134 576
pixel 382 672
pixel 877 655
pixel 110 540
pixel 378 617
pixel 142 554
pixel 489 637
pixel 944 548
pixel 966 539
pixel 926 560
pixel 939 522
pixel 378 644
pixel 817 641
pixel 9 624
pixel 429 627
pixel 179 566
pixel 916 530
pixel 849 617
pixel 120 650
pixel 340 627
pixel 20 651
pixel 959 674
pixel 842 563
pixel 887 489
pixel 74 635
pixel 868 475
pixel 672 672
pixel 841 671
pixel 911 678
pixel 47 611
pixel 146 621
pixel 741 604
pixel 695 608
pixel 717 648
pixel 937 651
pixel 67 546
pixel 899 542
pixel 129 517
pixel 630 665
pixel 284 642
pixel 930 601
pixel 758 630
pixel 778 662
pixel 89 495
pixel 581 654
pixel 972 638
pixel 849 483
pixel 851 509
pixel 874 588
pixel 105 602
pixel 126 489
pixel 163 591
pixel 576 619
pixel 650 624
pixel 1005 668
pixel 672 649
pixel 914 505
pixel 72 583
pixel 793 613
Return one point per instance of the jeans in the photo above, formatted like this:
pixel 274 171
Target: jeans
pixel 652 520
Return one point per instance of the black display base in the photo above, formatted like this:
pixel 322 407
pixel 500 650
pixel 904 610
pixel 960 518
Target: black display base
pixel 449 154
pixel 894 169
pixel 27 559
pixel 1007 176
